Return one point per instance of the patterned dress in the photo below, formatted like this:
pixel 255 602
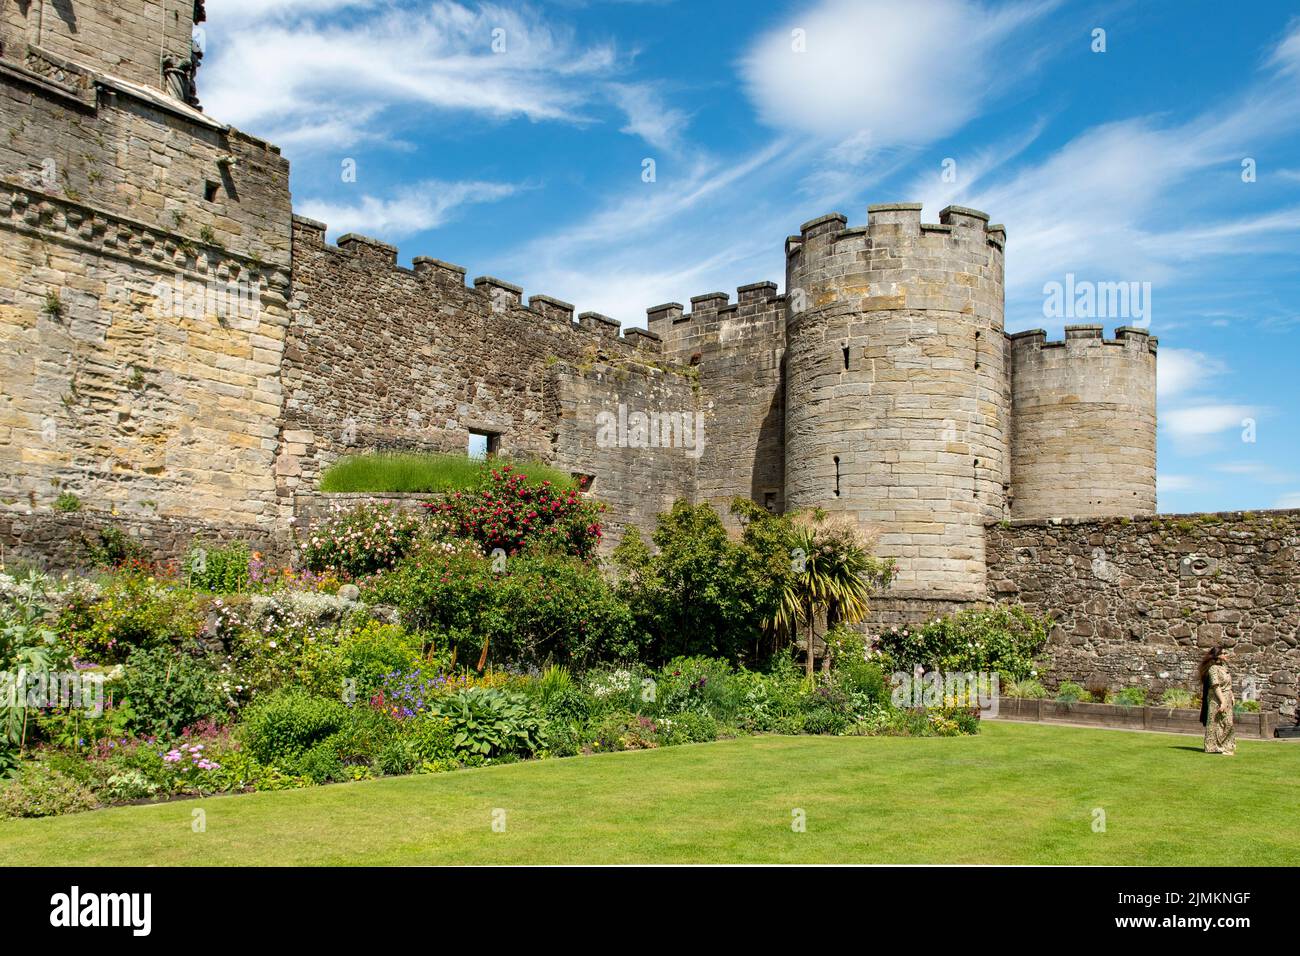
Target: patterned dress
pixel 1219 735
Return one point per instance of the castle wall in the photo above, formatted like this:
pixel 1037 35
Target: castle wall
pixel 124 39
pixel 1083 436
pixel 736 351
pixel 141 325
pixel 896 387
pixel 639 468
pixel 1139 601
pixel 384 357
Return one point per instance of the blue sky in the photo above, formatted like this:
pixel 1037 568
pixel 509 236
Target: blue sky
pixel 525 161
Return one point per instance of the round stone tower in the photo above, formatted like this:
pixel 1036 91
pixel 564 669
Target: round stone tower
pixel 1083 426
pixel 897 392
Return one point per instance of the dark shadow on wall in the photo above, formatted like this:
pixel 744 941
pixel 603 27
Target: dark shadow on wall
pixel 769 467
pixel 68 15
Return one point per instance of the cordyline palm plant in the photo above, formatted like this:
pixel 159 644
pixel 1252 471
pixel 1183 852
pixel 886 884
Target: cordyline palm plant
pixel 833 573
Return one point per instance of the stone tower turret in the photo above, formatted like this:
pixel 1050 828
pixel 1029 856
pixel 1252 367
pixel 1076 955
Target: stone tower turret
pixel 1083 436
pixel 897 393
pixel 146 42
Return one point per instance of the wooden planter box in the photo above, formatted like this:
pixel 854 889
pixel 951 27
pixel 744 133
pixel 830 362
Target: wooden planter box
pixel 1169 720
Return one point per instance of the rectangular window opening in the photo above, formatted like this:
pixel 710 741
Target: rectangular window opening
pixel 210 190
pixel 483 444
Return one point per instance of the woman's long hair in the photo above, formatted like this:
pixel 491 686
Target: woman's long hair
pixel 1209 660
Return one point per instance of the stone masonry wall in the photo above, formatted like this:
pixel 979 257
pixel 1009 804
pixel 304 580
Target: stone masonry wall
pixel 1139 601
pixel 1083 423
pixel 736 351
pixel 142 320
pixel 384 357
pixel 639 466
pixel 125 39
pixel 896 397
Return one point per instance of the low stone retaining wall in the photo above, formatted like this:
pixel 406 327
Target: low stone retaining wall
pixel 57 540
pixel 1169 720
pixel 311 508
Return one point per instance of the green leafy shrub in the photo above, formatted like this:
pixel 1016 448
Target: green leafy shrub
pixel 1068 692
pixel 562 737
pixel 288 722
pixel 688 727
pixel 111 547
pixel 219 570
pixel 1246 707
pixel 1128 697
pixel 127 784
pixel 539 608
pixel 27 644
pixel 38 790
pixel 67 502
pixel 622 730
pixel 556 608
pixel 168 690
pixel 489 722
pixel 849 663
pixel 1028 689
pixel 702 685
pixel 319 763
pixel 1002 639
pixel 1177 697
pixel 362 658
pixel 560 698
pixel 360 541
pixel 130 611
pixel 702 593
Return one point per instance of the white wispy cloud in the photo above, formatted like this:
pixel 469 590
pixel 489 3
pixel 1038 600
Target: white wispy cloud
pixel 1197 421
pixel 1290 500
pixel 409 210
pixel 276 74
pixel 1166 484
pixel 648 116
pixel 1138 199
pixel 909 73
pixel 641 245
pixel 1182 370
pixel 1259 471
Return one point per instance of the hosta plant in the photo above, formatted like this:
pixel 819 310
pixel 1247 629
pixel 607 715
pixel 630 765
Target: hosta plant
pixel 490 723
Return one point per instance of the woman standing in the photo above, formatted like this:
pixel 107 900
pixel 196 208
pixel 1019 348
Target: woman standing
pixel 1216 703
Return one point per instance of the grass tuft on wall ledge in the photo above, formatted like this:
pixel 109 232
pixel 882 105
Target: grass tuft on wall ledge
pixel 392 472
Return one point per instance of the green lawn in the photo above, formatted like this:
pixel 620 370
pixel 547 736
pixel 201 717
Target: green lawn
pixel 1018 793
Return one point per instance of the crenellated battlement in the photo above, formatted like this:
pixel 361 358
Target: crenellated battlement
pixel 888 225
pixel 498 294
pixel 1079 338
pixel 752 301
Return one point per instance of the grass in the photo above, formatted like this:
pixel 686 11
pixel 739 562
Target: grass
pixel 1017 793
pixel 391 472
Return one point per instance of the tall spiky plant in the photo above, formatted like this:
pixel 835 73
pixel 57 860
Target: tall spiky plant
pixel 834 573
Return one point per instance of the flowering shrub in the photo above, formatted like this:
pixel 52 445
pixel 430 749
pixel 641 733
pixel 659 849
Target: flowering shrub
pixel 509 512
pixel 1001 639
pixel 105 624
pixel 360 541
